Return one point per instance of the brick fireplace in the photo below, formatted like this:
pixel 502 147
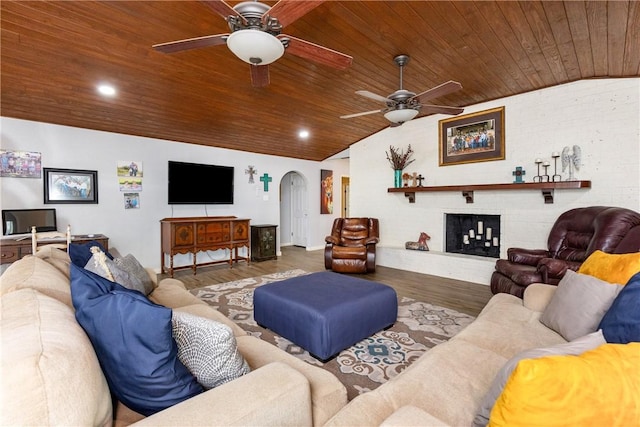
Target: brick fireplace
pixel 472 234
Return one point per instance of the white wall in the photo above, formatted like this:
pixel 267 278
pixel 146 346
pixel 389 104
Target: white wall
pixel 137 231
pixel 601 116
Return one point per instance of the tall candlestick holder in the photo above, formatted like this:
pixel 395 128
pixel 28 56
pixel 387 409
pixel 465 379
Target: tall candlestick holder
pixel 545 177
pixel 556 176
pixel 538 177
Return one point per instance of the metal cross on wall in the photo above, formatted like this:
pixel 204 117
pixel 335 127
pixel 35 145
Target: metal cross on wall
pixel 250 171
pixel 266 179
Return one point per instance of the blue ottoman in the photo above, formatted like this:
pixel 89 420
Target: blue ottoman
pixel 325 312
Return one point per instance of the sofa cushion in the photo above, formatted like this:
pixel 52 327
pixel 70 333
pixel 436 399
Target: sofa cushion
pixel 56 257
pixel 173 294
pixel 600 387
pixel 613 268
pixel 32 272
pixel 130 264
pixel 108 269
pixel 575 347
pixel 50 373
pixel 578 305
pixel 80 253
pixel 208 349
pixel 621 324
pixel 133 341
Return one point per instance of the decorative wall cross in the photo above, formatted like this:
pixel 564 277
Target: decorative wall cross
pixel 420 178
pixel 250 171
pixel 266 179
pixel 518 173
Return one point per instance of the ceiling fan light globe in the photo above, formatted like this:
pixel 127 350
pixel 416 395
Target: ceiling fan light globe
pixel 255 47
pixel 400 116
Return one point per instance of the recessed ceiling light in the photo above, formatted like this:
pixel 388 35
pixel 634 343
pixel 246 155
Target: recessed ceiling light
pixel 106 90
pixel 304 134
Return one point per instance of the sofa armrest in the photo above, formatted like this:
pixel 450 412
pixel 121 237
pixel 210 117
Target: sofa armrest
pixel 526 256
pixel 331 240
pixel 275 394
pixel 537 296
pixel 371 241
pixel 553 269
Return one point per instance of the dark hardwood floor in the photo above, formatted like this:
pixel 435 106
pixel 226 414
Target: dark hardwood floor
pixel 462 296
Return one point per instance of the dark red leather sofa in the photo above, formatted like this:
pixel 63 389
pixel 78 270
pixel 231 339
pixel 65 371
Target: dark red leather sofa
pixel 575 235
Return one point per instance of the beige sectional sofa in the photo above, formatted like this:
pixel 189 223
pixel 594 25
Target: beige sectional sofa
pixel 51 375
pixel 447 384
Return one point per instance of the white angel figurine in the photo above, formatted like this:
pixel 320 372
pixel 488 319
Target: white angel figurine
pixel 572 158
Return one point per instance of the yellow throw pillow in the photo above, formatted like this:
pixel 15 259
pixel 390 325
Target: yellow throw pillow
pixel 612 268
pixel 601 387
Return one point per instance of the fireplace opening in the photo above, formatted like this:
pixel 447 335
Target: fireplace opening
pixel 471 234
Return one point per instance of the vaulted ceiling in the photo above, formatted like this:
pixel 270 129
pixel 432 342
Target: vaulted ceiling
pixel 55 53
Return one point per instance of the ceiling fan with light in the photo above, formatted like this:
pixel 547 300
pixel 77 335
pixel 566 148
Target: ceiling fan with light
pixel 256 36
pixel 404 105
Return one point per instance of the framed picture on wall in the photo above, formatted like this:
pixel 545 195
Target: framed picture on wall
pixel 326 191
pixel 476 137
pixel 70 186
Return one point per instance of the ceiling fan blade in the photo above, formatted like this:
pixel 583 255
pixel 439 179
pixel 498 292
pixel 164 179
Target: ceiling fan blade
pixel 222 8
pixel 289 11
pixel 348 116
pixel 441 109
pixel 372 95
pixel 194 43
pixel 259 75
pixel 438 91
pixel 317 53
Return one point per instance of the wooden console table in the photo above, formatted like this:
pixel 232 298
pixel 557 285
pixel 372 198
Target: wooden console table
pixel 547 188
pixel 15 248
pixel 197 234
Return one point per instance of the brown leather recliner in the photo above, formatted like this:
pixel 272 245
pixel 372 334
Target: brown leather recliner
pixel 351 247
pixel 575 235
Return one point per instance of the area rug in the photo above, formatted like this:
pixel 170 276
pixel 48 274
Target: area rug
pixel 367 364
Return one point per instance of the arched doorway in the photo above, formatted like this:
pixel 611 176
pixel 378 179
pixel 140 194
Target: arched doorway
pixel 294 210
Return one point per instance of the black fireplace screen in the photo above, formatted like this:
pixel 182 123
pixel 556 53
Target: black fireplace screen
pixel 473 234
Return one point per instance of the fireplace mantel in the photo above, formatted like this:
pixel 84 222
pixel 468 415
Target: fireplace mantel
pixel 547 188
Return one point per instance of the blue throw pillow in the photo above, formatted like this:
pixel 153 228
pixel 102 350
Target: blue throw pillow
pixel 133 340
pixel 80 253
pixel 621 324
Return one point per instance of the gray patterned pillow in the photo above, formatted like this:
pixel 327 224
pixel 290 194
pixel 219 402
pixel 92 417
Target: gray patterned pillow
pixel 101 265
pixel 208 349
pixel 130 264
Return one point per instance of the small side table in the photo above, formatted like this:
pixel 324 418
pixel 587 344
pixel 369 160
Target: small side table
pixel 263 242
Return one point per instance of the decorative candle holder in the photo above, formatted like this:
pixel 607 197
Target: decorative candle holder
pixel 538 177
pixel 556 176
pixel 545 177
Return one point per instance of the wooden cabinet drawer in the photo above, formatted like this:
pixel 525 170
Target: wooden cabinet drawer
pixel 8 254
pixel 241 230
pixel 183 235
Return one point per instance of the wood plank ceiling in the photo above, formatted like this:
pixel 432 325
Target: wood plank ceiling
pixel 54 53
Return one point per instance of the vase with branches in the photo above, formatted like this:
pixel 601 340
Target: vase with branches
pixel 399 159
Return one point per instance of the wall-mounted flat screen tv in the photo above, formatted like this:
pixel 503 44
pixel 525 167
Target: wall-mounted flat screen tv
pixel 200 184
pixel 20 221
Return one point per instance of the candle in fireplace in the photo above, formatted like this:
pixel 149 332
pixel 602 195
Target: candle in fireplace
pixel 472 234
pixel 489 230
pixel 465 239
pixel 480 227
pixel 495 241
